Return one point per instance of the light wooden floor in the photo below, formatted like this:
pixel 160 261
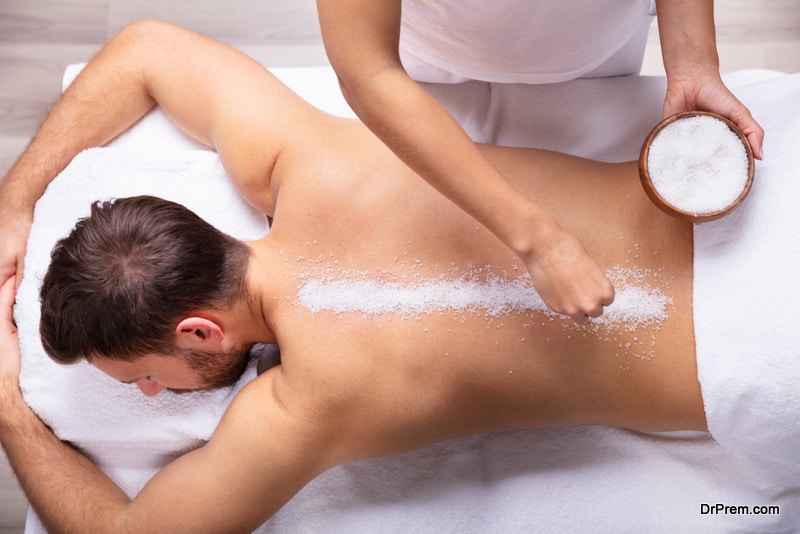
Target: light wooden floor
pixel 39 37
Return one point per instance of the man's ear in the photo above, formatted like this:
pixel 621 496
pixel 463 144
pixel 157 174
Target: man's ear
pixel 199 333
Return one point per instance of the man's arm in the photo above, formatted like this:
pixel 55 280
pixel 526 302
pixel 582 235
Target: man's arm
pixel 98 106
pixel 689 48
pixel 215 93
pixel 30 446
pixel 362 38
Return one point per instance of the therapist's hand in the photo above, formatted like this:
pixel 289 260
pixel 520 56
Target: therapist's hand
pixel 568 280
pixel 689 48
pixel 708 93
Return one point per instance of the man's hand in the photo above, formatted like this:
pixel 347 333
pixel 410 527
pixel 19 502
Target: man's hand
pixel 708 93
pixel 16 225
pixel 9 339
pixel 567 279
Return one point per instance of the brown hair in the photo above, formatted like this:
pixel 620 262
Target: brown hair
pixel 124 277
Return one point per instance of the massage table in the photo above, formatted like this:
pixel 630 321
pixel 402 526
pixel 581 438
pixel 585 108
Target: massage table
pixel 583 479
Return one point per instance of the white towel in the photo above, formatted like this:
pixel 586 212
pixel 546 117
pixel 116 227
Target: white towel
pixel 591 479
pixel 747 284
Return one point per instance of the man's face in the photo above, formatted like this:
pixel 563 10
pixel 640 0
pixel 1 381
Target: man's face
pixel 152 373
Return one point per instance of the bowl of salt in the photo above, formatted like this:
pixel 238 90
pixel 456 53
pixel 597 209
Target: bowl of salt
pixel 696 166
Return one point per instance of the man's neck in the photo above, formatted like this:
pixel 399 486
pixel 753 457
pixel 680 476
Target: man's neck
pixel 253 317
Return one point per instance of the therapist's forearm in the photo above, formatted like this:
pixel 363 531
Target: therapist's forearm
pixel 426 137
pixel 362 40
pixel 688 37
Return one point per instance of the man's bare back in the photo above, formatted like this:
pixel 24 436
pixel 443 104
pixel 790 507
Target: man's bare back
pixel 426 362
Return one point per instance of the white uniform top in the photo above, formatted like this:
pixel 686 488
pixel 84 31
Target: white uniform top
pixel 523 41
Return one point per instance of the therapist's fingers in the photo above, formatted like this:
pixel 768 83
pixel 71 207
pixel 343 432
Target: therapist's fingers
pixel 710 94
pixel 569 281
pixel 752 130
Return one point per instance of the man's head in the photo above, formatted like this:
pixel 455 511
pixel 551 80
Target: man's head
pixel 124 282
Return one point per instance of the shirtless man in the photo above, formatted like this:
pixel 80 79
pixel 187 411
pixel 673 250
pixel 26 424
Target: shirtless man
pixel 353 382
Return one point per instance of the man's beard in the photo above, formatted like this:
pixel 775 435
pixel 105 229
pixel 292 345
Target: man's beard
pixel 216 369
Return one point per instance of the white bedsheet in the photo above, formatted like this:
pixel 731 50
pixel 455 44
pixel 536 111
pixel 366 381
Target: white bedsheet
pixel 590 479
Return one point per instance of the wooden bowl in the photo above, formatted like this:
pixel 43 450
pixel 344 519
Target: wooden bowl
pixel 675 211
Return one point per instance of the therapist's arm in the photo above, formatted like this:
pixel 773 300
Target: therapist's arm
pixel 689 49
pixel 361 38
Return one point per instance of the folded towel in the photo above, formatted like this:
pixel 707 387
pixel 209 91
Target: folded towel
pixel 591 479
pixel 746 291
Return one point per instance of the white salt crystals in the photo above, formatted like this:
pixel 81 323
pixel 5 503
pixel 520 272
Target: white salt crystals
pixel 637 304
pixel 698 164
pixel 640 306
pixel 372 297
